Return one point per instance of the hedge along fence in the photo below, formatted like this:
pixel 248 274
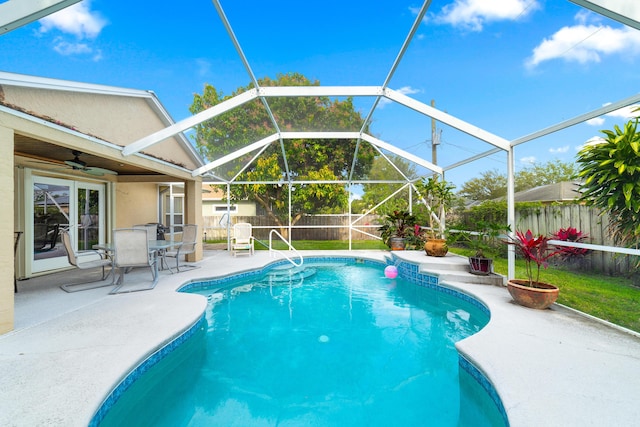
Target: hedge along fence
pixel 310 227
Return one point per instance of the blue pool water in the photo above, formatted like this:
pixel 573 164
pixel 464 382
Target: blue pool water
pixel 333 346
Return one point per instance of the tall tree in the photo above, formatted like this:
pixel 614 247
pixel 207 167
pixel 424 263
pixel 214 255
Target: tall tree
pixel 489 185
pixel 492 184
pixel 375 193
pixel 304 160
pixel 550 172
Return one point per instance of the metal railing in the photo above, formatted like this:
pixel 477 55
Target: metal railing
pixel 273 251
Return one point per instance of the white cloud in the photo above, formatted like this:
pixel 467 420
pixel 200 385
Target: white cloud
pixel 405 90
pixel 66 48
pixel 529 160
pixel 559 150
pixel 597 121
pixel 474 14
pixel 625 112
pixel 585 43
pixel 76 20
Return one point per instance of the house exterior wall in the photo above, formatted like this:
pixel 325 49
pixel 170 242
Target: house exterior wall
pixel 128 118
pixel 136 203
pixel 7 228
pixel 211 208
pixel 119 120
pixel 213 200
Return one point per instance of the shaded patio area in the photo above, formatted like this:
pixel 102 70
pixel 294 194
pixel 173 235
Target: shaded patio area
pixel 68 351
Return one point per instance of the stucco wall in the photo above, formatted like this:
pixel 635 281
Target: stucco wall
pixel 6 224
pixel 117 119
pixel 136 203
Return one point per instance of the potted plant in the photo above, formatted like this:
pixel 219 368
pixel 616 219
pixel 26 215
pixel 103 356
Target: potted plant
pixel 397 227
pixel 532 293
pixel 438 197
pixel 485 242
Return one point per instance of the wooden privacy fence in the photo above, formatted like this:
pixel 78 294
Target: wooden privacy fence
pixel 549 219
pixel 310 227
pixel 545 220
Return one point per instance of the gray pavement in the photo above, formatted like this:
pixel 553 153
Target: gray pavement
pixel 68 351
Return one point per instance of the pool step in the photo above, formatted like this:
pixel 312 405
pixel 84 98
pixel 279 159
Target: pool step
pixel 465 277
pixel 454 268
pixel 288 274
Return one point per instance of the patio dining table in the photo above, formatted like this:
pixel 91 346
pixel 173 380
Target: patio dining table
pixel 156 247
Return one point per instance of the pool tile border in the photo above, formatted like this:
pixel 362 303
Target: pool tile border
pixel 143 367
pixel 488 387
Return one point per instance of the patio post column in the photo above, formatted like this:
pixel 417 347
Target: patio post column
pixel 511 212
pixel 6 227
pixel 193 213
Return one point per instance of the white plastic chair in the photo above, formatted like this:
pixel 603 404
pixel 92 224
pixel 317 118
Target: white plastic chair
pixel 242 240
pixel 131 249
pixel 188 246
pixel 86 260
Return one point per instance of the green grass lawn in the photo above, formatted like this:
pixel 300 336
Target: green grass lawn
pixel 610 298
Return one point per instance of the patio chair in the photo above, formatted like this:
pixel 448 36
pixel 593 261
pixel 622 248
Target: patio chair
pixel 242 240
pixel 152 230
pixel 131 249
pixel 188 246
pixel 86 260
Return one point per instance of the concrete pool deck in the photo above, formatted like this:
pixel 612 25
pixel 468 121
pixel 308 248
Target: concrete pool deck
pixel 68 351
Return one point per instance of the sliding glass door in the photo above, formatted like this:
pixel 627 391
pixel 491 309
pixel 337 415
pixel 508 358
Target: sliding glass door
pixel 60 204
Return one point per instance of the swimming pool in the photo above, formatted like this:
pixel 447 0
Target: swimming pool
pixel 337 344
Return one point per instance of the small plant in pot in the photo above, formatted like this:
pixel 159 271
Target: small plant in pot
pixel 397 227
pixel 438 196
pixel 535 251
pixel 486 243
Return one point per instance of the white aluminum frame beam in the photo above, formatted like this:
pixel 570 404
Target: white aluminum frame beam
pixel 397 151
pixel 294 91
pixel 16 13
pixel 577 120
pixel 624 11
pixel 238 153
pixel 447 119
pixel 317 135
pixel 190 122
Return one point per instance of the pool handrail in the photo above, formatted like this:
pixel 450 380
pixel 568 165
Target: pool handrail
pixel 273 251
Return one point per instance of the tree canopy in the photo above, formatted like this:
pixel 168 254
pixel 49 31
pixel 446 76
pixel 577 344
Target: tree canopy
pixel 294 161
pixel 492 184
pixel 376 192
pixel 488 186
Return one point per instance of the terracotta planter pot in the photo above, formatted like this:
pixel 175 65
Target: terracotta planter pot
pixel 480 266
pixel 397 243
pixel 436 247
pixel 540 296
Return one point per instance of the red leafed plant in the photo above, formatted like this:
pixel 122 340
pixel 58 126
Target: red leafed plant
pixel 570 234
pixel 533 249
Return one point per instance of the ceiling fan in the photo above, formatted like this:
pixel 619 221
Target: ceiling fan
pixel 80 165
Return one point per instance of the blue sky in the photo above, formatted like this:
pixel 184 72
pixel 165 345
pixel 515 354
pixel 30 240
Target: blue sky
pixel 510 67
